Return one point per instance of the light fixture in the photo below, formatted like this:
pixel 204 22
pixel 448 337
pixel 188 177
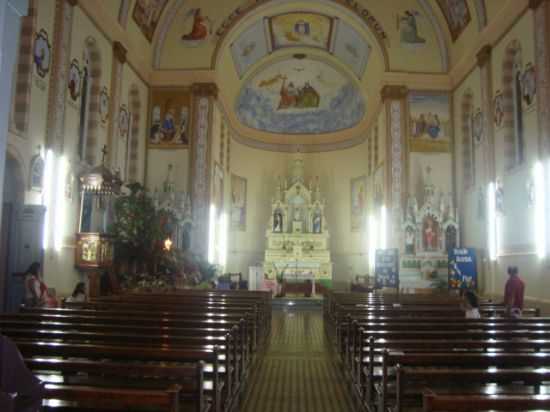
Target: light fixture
pixel 168 244
pixel 383 227
pixel 47 195
pixel 491 222
pixel 373 230
pixel 539 210
pixel 60 204
pixel 212 235
pixel 223 240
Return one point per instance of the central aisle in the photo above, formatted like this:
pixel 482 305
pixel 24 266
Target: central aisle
pixel 297 373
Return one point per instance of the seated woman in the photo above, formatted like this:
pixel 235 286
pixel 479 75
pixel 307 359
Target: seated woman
pixel 471 305
pixel 79 293
pixel 20 390
pixel 36 291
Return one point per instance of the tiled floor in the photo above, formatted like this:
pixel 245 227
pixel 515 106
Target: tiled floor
pixel 297 373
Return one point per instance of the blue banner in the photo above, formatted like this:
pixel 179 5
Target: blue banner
pixel 386 268
pixel 462 269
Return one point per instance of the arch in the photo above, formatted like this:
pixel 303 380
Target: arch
pixel 511 122
pixel 468 165
pixel 439 33
pixel 164 25
pixel 23 74
pixel 135 110
pixel 91 118
pixel 124 12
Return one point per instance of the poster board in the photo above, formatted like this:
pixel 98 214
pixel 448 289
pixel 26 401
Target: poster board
pixel 386 268
pixel 462 269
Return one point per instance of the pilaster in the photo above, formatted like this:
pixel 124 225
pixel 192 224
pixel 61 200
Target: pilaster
pixel 204 96
pixel 119 58
pixel 394 98
pixel 63 22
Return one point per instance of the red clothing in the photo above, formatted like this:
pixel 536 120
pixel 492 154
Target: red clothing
pixel 513 292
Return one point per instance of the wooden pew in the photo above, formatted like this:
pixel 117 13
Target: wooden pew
pixel 434 402
pixel 410 381
pixel 112 399
pixel 34 348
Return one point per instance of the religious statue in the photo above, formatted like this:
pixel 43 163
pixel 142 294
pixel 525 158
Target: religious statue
pixel 277 222
pixel 409 241
pixel 317 222
pixel 430 234
pixel 297 214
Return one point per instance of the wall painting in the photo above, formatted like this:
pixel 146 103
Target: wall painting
pixel 197 28
pixel 238 203
pixel 430 122
pixel 408 26
pixel 302 29
pixel 457 15
pixel 358 203
pixel 147 15
pixel 300 96
pixel 351 48
pixel 169 118
pixel 250 47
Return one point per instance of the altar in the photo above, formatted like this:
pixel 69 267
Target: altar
pixel 297 235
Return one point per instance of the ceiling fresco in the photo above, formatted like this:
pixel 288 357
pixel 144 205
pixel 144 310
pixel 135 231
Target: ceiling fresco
pixel 300 96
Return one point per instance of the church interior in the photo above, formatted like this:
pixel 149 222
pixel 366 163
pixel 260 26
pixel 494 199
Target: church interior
pixel 265 205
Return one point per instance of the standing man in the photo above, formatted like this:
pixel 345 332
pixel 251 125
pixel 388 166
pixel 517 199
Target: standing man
pixel 513 293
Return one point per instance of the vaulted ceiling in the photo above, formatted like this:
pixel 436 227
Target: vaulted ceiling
pixel 306 71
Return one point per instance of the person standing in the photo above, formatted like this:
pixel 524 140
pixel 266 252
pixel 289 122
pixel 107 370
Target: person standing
pixel 514 292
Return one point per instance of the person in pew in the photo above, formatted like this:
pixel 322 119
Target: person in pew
pixel 36 291
pixel 79 293
pixel 20 390
pixel 514 291
pixel 471 305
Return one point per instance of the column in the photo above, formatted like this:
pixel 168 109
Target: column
pixel 394 98
pixel 204 96
pixel 119 58
pixel 55 126
pixel 541 8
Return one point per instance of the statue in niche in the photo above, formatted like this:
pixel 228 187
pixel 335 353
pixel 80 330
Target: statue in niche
pixel 409 241
pixel 277 222
pixel 430 234
pixel 317 222
pixel 297 214
pixel 450 238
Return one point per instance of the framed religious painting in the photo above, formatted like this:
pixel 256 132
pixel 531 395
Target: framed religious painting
pixel 457 15
pixel 238 203
pixel 169 118
pixel 36 176
pixel 358 202
pixel 42 53
pixel 104 105
pixel 75 80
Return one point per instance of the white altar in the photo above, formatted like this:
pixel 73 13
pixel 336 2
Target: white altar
pixel 428 233
pixel 297 235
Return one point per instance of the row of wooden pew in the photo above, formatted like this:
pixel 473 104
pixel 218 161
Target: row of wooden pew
pixel 419 352
pixel 183 351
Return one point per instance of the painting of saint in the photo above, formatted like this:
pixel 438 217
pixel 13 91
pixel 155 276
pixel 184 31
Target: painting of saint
pixel 200 29
pixel 499 112
pixel 456 14
pixel 169 118
pixel 430 122
pixel 408 29
pixel 277 222
pixel 358 202
pixel 409 240
pixel 238 202
pixel 147 14
pixel 300 29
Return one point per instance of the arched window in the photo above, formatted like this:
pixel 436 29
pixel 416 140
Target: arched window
pixel 133 136
pixel 89 109
pixel 468 163
pixel 512 118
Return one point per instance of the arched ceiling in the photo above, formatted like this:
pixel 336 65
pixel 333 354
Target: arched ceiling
pixel 283 65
